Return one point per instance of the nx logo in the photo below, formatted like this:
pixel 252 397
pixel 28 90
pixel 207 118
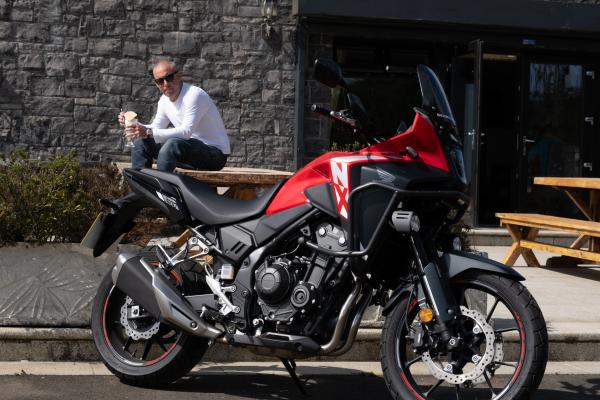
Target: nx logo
pixel 170 201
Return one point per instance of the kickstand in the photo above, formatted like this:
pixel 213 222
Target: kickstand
pixel 290 365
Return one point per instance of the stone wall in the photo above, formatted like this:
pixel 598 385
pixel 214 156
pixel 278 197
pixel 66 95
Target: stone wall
pixel 68 66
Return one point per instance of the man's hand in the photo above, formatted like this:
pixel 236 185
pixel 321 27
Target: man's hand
pixel 137 131
pixel 121 119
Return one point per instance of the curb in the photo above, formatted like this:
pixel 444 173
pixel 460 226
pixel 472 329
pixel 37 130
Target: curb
pixel 76 344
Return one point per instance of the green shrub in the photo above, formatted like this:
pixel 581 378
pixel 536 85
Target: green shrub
pixel 54 200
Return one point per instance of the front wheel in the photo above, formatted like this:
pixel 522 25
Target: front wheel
pixel 138 349
pixel 502 351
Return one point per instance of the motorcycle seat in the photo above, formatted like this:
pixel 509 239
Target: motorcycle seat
pixel 205 205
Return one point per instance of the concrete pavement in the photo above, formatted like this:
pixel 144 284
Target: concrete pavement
pixel 350 381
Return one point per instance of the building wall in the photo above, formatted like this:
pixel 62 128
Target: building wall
pixel 68 66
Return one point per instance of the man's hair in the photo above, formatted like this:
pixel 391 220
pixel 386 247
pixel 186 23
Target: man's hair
pixel 171 64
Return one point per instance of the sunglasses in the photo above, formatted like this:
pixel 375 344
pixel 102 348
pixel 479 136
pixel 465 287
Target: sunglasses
pixel 168 78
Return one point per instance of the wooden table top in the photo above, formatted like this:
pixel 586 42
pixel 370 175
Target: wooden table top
pixel 232 176
pixel 568 182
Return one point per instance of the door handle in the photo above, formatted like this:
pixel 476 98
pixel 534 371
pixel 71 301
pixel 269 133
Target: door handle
pixel 588 165
pixel 527 140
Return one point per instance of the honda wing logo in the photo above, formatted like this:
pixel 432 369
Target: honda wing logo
pixel 170 201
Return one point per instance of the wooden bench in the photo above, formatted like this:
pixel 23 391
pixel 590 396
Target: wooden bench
pixel 524 229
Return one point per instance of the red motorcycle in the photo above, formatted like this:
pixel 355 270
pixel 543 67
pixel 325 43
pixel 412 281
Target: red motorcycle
pixel 291 273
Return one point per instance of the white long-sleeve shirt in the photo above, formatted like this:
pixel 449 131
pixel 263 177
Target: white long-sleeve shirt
pixel 193 115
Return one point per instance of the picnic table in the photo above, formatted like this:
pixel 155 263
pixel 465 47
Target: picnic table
pixel 524 228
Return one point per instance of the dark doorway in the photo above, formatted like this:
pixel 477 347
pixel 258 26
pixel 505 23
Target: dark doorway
pixel 498 139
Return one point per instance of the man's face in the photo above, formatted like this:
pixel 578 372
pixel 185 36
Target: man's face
pixel 168 79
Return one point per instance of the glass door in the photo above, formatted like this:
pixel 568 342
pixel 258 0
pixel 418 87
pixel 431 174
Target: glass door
pixel 557 131
pixel 466 104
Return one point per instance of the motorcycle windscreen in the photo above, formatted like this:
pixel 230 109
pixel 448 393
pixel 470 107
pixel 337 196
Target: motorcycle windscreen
pixel 433 94
pixel 108 227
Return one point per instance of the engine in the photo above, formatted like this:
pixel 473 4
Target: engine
pixel 289 287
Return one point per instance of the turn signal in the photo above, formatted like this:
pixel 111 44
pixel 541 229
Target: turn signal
pixel 426 315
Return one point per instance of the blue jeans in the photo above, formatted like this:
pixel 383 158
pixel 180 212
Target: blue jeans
pixel 176 152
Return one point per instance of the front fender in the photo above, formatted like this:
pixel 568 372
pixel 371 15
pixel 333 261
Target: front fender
pixel 459 262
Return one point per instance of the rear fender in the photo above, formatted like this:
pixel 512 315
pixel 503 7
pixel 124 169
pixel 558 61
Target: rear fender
pixel 109 226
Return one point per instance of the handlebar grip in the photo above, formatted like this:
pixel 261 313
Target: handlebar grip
pixel 320 110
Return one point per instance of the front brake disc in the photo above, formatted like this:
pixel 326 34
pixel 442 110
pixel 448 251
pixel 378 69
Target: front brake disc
pixel 437 369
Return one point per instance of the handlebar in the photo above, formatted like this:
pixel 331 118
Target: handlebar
pixel 335 115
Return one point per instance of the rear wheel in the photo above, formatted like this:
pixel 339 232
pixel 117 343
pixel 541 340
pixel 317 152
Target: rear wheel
pixel 138 349
pixel 502 353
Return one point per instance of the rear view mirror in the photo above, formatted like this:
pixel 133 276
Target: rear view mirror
pixel 329 73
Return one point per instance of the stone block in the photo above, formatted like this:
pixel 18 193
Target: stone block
pixel 76 44
pixel 216 51
pixel 232 33
pixel 217 88
pixel 148 37
pixel 197 69
pixel 61 64
pixel 209 23
pixel 107 99
pixel 109 7
pixel 161 22
pixel 78 7
pixel 249 11
pixel 272 80
pixel 272 96
pixel 244 88
pixel 133 49
pixel 185 24
pixel 104 47
pixel 79 88
pixel 115 84
pixel 151 5
pixel 230 7
pixel 94 27
pixel 96 114
pixel 17 80
pixel 32 32
pixel 49 10
pixel 21 15
pixel 144 91
pixel 47 86
pixel 8 49
pixel 252 38
pixel 61 125
pixel 114 27
pixel 128 67
pixel 35 130
pixel 6 30
pixel 49 106
pixel 222 70
pixel 179 43
pixel 84 101
pixel 231 117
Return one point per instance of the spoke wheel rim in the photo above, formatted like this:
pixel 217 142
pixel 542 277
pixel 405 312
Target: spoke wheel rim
pixel 406 360
pixel 138 353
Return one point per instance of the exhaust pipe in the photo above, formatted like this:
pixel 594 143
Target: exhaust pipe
pixel 152 290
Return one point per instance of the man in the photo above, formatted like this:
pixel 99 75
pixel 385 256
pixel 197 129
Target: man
pixel 198 138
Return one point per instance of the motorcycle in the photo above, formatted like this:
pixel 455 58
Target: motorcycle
pixel 291 273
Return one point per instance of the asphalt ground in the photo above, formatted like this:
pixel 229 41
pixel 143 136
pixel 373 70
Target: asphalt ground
pixel 77 381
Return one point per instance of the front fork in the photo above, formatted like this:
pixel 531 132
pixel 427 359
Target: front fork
pixel 434 290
